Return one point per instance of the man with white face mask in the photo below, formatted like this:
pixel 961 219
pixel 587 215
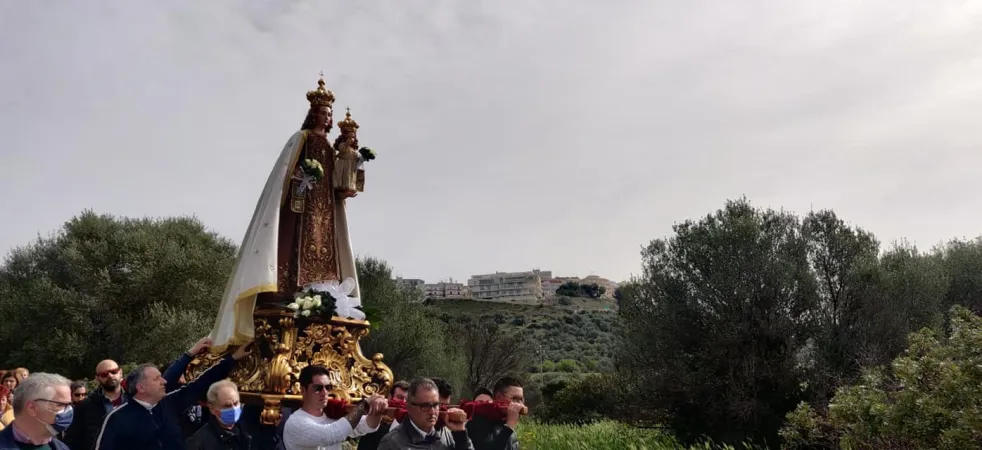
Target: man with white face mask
pixel 222 432
pixel 42 410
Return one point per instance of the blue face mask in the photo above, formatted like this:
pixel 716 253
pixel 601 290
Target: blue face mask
pixel 229 416
pixel 62 421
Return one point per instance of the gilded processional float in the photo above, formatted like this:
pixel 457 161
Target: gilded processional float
pixel 294 289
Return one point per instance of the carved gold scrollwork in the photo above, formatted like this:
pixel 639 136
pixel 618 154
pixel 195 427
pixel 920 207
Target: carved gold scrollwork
pixel 285 345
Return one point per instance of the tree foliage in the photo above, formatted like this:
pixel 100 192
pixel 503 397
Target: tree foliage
pixel 741 315
pixel 105 287
pixel 489 352
pixel 574 289
pixel 717 321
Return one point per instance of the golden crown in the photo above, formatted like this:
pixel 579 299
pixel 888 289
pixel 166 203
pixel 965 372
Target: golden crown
pixel 320 96
pixel 348 126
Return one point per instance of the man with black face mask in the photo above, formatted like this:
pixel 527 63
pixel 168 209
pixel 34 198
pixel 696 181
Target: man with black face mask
pixel 42 410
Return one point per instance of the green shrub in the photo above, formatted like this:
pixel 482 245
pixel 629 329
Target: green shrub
pixel 597 436
pixel 931 397
pixel 592 398
pixel 600 436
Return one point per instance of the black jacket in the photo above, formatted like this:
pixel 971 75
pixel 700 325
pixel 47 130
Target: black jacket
pixel 371 440
pixel 213 437
pixel 488 435
pixel 89 415
pixel 133 426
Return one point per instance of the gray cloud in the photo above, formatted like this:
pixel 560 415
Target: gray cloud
pixel 510 134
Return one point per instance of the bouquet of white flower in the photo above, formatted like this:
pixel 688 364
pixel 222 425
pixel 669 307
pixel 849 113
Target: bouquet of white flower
pixel 327 299
pixel 311 304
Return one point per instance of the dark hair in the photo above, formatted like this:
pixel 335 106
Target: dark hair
pixel 446 390
pixel 506 382
pixel 308 373
pixel 135 377
pixel 10 374
pixel 483 391
pixel 421 384
pixel 76 385
pixel 401 384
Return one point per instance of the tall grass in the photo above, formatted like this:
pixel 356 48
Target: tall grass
pixel 598 436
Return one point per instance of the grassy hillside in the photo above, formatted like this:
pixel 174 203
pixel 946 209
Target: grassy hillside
pixel 578 337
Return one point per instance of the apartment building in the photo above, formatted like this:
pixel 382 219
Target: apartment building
pixel 550 285
pixel 516 287
pixel 446 290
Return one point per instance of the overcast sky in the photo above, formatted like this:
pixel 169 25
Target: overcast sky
pixel 561 135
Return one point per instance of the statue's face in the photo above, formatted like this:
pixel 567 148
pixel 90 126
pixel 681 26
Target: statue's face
pixel 322 117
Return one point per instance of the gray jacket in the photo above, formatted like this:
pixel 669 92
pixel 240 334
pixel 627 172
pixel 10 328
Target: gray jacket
pixel 407 437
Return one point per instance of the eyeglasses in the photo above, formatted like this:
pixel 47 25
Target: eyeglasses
pixel 78 394
pixel 64 405
pixel 426 406
pixel 318 387
pixel 106 373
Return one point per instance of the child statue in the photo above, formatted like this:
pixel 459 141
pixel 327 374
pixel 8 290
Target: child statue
pixel 346 166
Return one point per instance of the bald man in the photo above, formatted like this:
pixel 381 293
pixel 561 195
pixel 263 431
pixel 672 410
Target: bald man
pixel 90 413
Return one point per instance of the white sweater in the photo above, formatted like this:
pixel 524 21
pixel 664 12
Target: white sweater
pixel 306 432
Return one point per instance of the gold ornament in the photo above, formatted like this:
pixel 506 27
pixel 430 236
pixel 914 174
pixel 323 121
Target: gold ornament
pixel 320 96
pixel 348 126
pixel 284 345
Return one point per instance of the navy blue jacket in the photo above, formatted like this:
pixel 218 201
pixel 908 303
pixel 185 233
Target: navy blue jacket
pixel 7 441
pixel 132 426
pixel 91 413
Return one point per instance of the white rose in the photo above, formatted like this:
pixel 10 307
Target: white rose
pixel 317 300
pixel 306 313
pixel 293 306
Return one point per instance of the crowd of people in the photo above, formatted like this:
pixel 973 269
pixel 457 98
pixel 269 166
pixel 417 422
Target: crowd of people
pixel 150 409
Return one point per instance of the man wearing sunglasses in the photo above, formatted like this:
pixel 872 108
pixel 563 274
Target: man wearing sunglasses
pixel 90 413
pixel 309 428
pixel 149 417
pixel 42 410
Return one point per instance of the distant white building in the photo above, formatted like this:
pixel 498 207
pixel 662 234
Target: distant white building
pixel 446 290
pixel 549 286
pixel 516 287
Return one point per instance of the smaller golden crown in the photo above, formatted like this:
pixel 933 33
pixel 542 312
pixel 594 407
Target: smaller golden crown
pixel 348 126
pixel 320 96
